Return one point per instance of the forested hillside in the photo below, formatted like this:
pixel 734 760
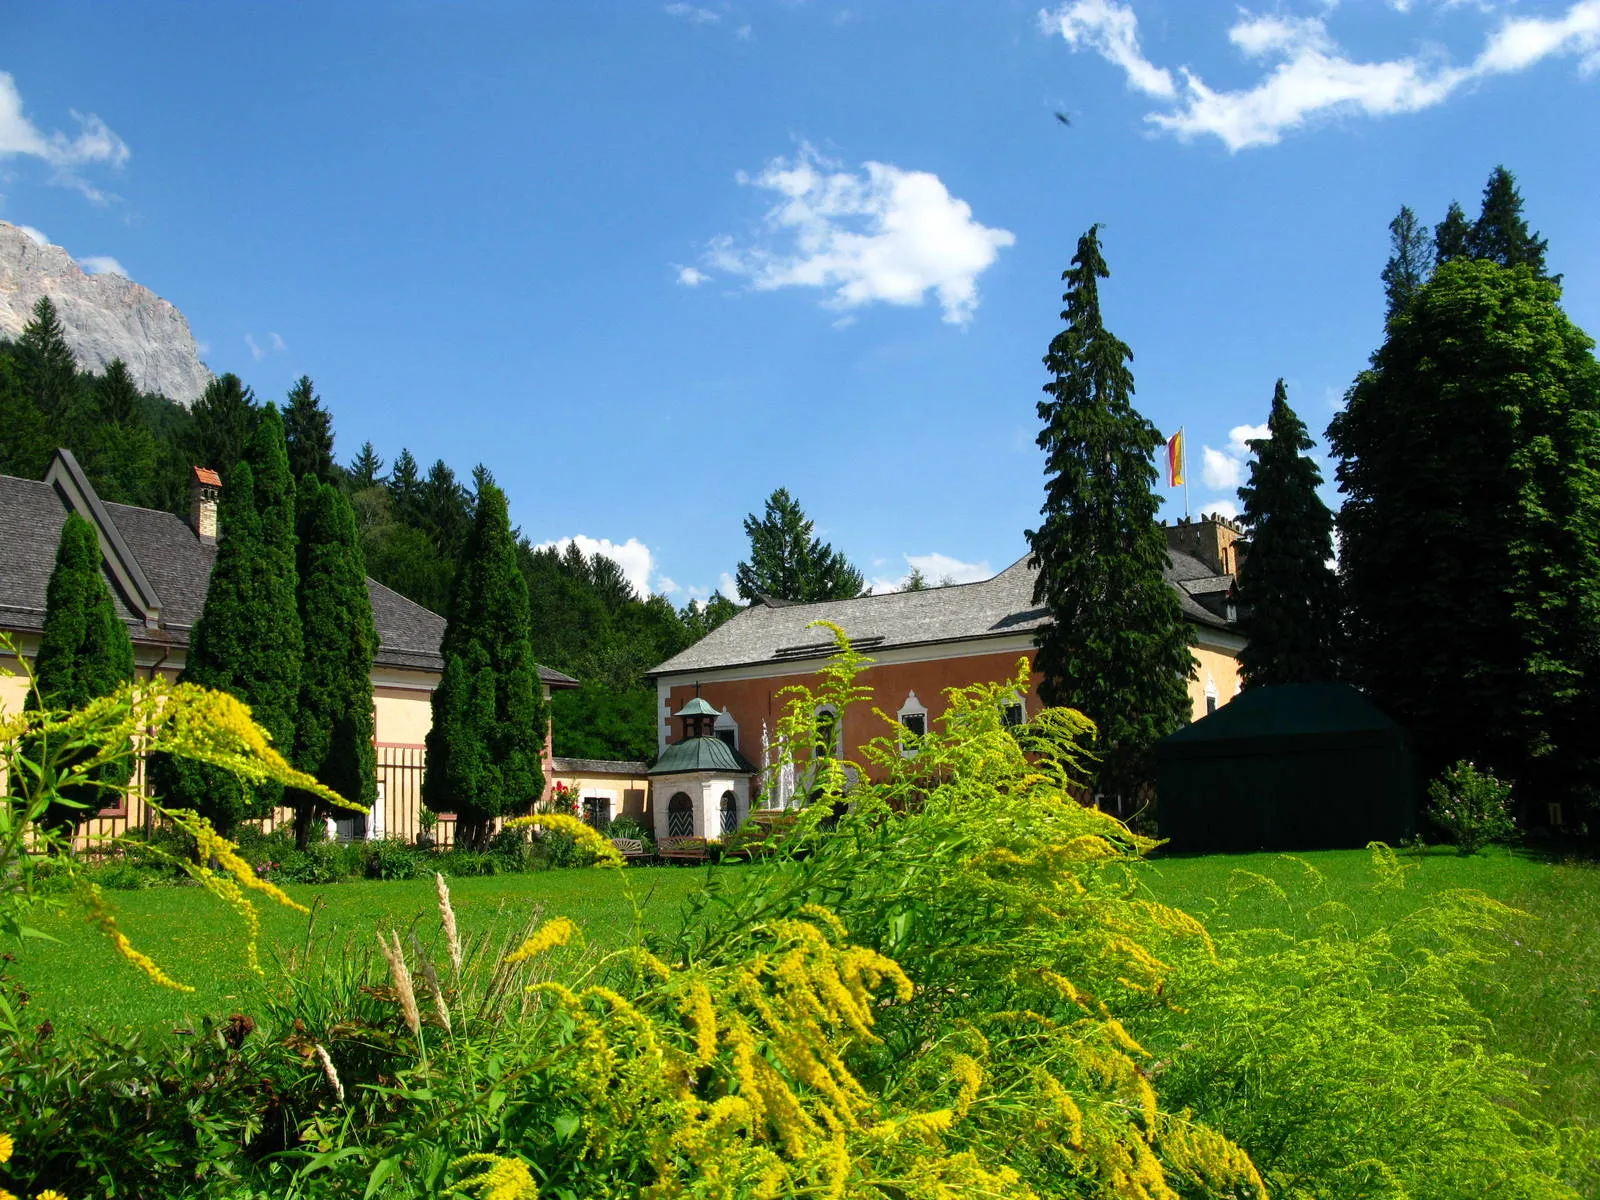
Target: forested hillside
pixel 586 619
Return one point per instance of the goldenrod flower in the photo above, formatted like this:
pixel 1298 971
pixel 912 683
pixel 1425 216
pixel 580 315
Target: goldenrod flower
pixel 557 932
pixel 49 1194
pixel 7 1147
pixel 500 1179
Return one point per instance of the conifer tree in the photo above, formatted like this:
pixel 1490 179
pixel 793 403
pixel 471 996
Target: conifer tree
pixel 486 744
pixel 334 720
pixel 84 653
pixel 1288 593
pixel 367 468
pixel 224 417
pixel 247 641
pixel 787 561
pixel 45 366
pixel 1500 233
pixel 1469 456
pixel 915 582
pixel 1410 259
pixel 1452 237
pixel 405 487
pixel 308 432
pixel 1116 647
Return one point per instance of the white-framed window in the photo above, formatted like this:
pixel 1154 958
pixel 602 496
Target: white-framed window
pixel 1013 711
pixel 913 715
pixel 597 811
pixel 1211 695
pixel 727 729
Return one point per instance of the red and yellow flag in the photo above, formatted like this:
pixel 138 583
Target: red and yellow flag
pixel 1175 460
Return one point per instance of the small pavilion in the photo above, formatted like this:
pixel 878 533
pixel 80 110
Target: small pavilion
pixel 700 786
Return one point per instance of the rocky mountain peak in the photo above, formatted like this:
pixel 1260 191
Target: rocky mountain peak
pixel 105 317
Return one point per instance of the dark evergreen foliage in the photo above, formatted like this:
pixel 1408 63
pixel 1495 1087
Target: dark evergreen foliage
pixel 700 619
pixel 84 653
pixel 1288 592
pixel 595 721
pixel 1500 233
pixel 308 432
pixel 334 720
pixel 1469 455
pixel 1452 237
pixel 489 719
pixel 404 486
pixel 224 418
pixel 1117 647
pixel 248 641
pixel 45 366
pixel 1410 259
pixel 788 562
pixel 367 468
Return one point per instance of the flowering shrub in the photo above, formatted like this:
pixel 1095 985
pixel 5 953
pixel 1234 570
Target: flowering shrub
pixel 1471 806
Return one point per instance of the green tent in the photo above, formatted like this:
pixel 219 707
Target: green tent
pixel 1300 766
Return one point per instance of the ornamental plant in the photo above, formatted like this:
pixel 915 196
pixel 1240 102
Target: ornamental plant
pixel 1473 807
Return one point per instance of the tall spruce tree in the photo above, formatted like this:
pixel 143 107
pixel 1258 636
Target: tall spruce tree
pixel 1410 259
pixel 247 641
pixel 308 432
pixel 84 653
pixel 334 720
pixel 1500 233
pixel 1469 456
pixel 366 470
pixel 787 561
pixel 45 366
pixel 1288 592
pixel 1116 647
pixel 1452 237
pixel 486 744
pixel 224 417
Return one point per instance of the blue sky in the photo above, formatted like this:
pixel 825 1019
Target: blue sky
pixel 650 261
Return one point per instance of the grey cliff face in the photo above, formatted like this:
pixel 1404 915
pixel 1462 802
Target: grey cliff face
pixel 105 316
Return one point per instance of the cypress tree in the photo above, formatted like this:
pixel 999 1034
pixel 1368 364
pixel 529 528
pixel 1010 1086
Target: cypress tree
pixel 1469 455
pixel 1452 238
pixel 247 641
pixel 334 722
pixel 308 431
pixel 486 745
pixel 1410 259
pixel 1116 647
pixel 1288 593
pixel 84 653
pixel 1500 233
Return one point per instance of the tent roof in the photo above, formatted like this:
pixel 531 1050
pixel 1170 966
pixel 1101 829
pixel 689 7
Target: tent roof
pixel 1288 710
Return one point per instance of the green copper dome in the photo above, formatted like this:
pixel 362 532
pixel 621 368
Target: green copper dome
pixel 702 754
pixel 697 708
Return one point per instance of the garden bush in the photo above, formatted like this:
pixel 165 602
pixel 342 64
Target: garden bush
pixel 1472 807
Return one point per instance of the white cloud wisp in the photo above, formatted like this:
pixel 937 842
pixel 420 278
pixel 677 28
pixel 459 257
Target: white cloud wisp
pixel 102 264
pixel 885 234
pixel 1224 470
pixel 1310 76
pixel 633 556
pixel 937 569
pixel 95 143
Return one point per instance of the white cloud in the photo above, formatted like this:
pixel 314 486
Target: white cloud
pixel 690 277
pixel 633 556
pixel 256 352
pixel 667 585
pixel 94 144
pixel 37 235
pixel 728 586
pixel 277 343
pixel 694 13
pixel 1222 508
pixel 1224 469
pixel 886 234
pixel 102 264
pixel 1310 76
pixel 937 569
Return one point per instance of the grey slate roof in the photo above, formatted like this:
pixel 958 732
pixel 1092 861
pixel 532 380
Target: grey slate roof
pixel 701 754
pixel 776 632
pixel 178 565
pixel 596 766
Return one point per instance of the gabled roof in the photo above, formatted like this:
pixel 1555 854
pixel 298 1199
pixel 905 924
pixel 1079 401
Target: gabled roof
pixel 769 632
pixel 702 754
pixel 158 571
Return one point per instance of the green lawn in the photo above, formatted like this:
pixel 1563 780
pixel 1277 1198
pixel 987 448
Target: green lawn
pixel 198 941
pixel 1544 997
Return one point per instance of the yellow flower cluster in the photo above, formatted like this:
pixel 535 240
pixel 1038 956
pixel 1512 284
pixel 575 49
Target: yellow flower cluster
pixel 556 932
pixel 606 855
pixel 501 1178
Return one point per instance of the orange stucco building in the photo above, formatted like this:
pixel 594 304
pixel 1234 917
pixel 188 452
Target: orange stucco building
pixel 922 643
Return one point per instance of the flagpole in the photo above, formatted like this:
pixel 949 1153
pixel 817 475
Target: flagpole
pixel 1183 468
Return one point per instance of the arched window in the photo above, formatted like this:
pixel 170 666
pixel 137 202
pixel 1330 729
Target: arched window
pixel 730 813
pixel 1211 695
pixel 727 729
pixel 680 815
pixel 914 717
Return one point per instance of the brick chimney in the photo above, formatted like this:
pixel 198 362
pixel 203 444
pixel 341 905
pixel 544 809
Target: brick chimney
pixel 205 485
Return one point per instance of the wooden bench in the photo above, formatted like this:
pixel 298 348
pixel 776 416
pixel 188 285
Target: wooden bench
pixel 631 849
pixel 753 838
pixel 682 849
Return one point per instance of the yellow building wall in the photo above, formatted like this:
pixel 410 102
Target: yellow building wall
pixel 628 794
pixel 403 716
pixel 1217 667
